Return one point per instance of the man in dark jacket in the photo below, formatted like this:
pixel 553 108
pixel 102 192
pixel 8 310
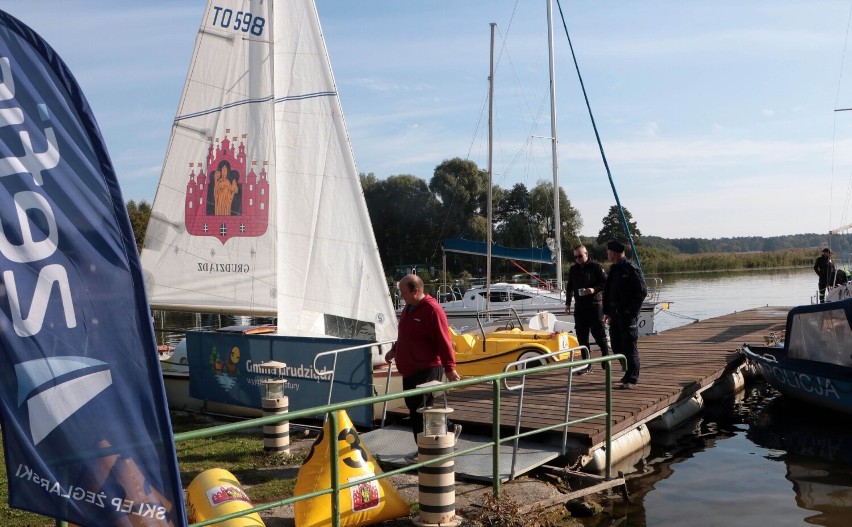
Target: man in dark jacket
pixel 586 281
pixel 824 268
pixel 622 300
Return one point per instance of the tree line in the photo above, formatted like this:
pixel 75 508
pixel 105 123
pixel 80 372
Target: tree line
pixel 411 218
pixel 840 243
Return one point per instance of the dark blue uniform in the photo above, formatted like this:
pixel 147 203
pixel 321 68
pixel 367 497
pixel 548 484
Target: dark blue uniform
pixel 824 268
pixel 622 300
pixel 588 309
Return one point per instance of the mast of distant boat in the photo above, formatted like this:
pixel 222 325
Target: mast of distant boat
pixel 490 171
pixel 557 222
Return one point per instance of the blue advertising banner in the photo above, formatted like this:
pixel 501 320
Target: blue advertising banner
pixel 227 368
pixel 86 431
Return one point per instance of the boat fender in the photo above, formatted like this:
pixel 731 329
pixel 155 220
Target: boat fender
pixel 725 386
pixel 634 440
pixel 678 414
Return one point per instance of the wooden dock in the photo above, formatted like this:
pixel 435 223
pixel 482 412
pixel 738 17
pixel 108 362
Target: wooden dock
pixel 675 365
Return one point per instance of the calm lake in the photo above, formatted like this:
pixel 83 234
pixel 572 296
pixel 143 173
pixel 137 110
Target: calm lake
pixel 755 460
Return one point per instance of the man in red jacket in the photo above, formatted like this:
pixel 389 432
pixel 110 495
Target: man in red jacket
pixel 423 349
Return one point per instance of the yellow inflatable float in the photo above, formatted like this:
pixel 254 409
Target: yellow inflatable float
pixel 365 504
pixel 215 493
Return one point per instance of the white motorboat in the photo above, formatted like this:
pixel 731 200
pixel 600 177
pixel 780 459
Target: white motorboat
pixel 522 298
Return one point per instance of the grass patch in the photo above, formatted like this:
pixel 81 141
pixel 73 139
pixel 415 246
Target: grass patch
pixel 271 490
pixel 16 517
pixel 264 477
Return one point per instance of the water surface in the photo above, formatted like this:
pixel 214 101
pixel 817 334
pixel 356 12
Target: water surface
pixel 756 459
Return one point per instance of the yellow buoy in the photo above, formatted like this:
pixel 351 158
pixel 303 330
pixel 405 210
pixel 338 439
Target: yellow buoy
pixel 364 504
pixel 215 493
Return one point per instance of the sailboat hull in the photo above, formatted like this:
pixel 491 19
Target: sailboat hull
pixel 176 378
pixel 232 369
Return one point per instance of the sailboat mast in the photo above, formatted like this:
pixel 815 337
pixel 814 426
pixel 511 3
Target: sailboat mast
pixel 489 221
pixel 557 221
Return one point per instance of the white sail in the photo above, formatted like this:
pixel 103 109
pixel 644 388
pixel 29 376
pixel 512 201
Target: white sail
pixel 259 209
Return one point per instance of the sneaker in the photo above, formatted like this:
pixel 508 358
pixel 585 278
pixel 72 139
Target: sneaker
pixel 627 386
pixel 456 433
pixel 411 458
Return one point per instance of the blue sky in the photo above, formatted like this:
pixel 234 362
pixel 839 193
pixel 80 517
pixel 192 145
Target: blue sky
pixel 717 117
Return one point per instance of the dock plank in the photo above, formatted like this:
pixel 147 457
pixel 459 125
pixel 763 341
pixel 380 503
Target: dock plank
pixel 675 364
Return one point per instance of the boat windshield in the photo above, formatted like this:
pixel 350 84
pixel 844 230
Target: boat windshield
pixel 821 336
pixel 497 296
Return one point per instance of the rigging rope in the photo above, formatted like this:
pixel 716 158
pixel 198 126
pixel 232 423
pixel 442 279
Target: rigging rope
pixel 598 138
pixel 544 285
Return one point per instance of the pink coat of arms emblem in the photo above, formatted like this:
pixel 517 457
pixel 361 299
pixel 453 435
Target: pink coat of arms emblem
pixel 226 198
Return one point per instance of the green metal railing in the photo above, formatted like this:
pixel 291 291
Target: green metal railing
pixel 494 444
pixel 331 411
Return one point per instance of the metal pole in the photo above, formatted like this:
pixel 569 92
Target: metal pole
pixel 557 220
pixel 444 269
pixel 495 436
pixel 489 220
pixel 334 454
pixel 608 367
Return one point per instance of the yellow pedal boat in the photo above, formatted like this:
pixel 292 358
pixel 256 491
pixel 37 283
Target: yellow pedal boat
pixel 493 346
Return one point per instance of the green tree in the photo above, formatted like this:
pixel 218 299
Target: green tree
pixel 613 227
pixel 460 187
pixel 476 228
pixel 368 181
pixel 402 211
pixel 139 216
pixel 512 226
pixel 541 211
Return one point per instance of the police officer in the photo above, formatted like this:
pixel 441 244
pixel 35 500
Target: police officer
pixel 586 281
pixel 824 268
pixel 622 300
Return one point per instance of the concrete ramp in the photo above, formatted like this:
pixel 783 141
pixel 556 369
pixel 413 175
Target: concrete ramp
pixel 391 444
